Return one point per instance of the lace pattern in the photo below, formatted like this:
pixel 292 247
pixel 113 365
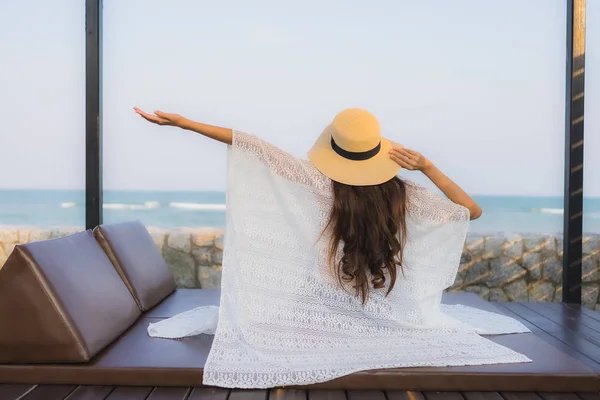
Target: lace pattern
pixel 284 321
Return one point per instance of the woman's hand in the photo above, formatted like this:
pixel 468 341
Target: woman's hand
pixel 414 161
pixel 161 118
pixel 224 135
pixel 409 159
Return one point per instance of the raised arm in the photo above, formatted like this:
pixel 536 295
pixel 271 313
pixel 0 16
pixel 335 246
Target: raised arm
pixel 278 161
pixel 412 160
pixel 224 135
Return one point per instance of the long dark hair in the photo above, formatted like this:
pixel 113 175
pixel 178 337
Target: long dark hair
pixel 369 222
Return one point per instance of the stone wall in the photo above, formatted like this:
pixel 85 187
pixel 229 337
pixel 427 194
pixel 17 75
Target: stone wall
pixel 513 267
pixel 502 267
pixel 194 255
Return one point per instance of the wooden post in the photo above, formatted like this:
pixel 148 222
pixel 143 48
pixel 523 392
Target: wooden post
pixel 93 113
pixel 573 193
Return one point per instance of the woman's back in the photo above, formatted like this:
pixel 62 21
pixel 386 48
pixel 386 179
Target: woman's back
pixel 283 207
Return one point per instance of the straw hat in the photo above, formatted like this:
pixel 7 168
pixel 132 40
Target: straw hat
pixel 351 150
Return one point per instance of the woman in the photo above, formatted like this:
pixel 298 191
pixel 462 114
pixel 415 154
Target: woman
pixel 335 265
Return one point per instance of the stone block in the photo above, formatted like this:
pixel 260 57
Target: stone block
pixel 503 271
pixel 9 235
pixel 58 233
pixel 38 235
pixel 475 245
pixel 532 243
pixel 465 258
pixel 182 266
pixel 517 291
pixel 590 269
pixel 203 256
pixel 553 271
pixel 8 248
pixel 545 244
pixel 62 232
pixel 589 294
pixel 204 238
pixel 24 235
pixel 513 246
pixel 159 238
pixel 209 276
pixel 180 241
pixel 480 290
pixel 591 245
pixel 477 273
pixel 532 262
pixel 542 291
pixel 497 294
pixel 494 246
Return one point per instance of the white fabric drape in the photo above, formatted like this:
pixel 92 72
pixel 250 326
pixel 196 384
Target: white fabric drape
pixel 283 319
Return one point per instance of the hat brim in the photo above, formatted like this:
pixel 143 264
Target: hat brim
pixel 374 171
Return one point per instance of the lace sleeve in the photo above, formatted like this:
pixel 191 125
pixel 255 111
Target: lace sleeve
pixel 437 229
pixel 429 206
pixel 282 163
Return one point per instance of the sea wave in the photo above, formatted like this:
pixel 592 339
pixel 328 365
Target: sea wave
pixel 68 204
pixel 198 206
pixel 560 211
pixel 148 205
pixel 550 210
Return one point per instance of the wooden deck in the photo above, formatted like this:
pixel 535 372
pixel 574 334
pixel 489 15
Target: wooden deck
pixel 569 330
pixel 25 392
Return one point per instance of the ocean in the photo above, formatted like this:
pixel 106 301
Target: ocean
pixel 55 208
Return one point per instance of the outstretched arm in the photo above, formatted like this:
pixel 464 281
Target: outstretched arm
pixel 414 161
pixel 279 161
pixel 224 135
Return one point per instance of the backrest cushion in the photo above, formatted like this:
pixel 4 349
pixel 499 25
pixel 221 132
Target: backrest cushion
pixel 138 261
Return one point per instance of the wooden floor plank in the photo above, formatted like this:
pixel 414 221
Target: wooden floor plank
pixel 13 392
pixel 237 394
pixel 50 392
pixel 443 396
pixel 287 394
pixel 578 344
pixel 559 396
pixel 326 395
pixel 563 310
pixel 567 318
pixel 403 395
pixel 570 335
pixel 169 393
pixel 130 393
pixel 550 339
pixel 589 396
pixel 482 396
pixel 90 393
pixel 209 394
pixel 520 396
pixel 585 311
pixel 365 395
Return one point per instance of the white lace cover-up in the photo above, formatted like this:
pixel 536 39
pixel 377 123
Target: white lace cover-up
pixel 284 320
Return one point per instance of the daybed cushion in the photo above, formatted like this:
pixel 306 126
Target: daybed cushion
pixel 61 300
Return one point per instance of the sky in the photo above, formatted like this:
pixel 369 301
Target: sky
pixel 477 87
